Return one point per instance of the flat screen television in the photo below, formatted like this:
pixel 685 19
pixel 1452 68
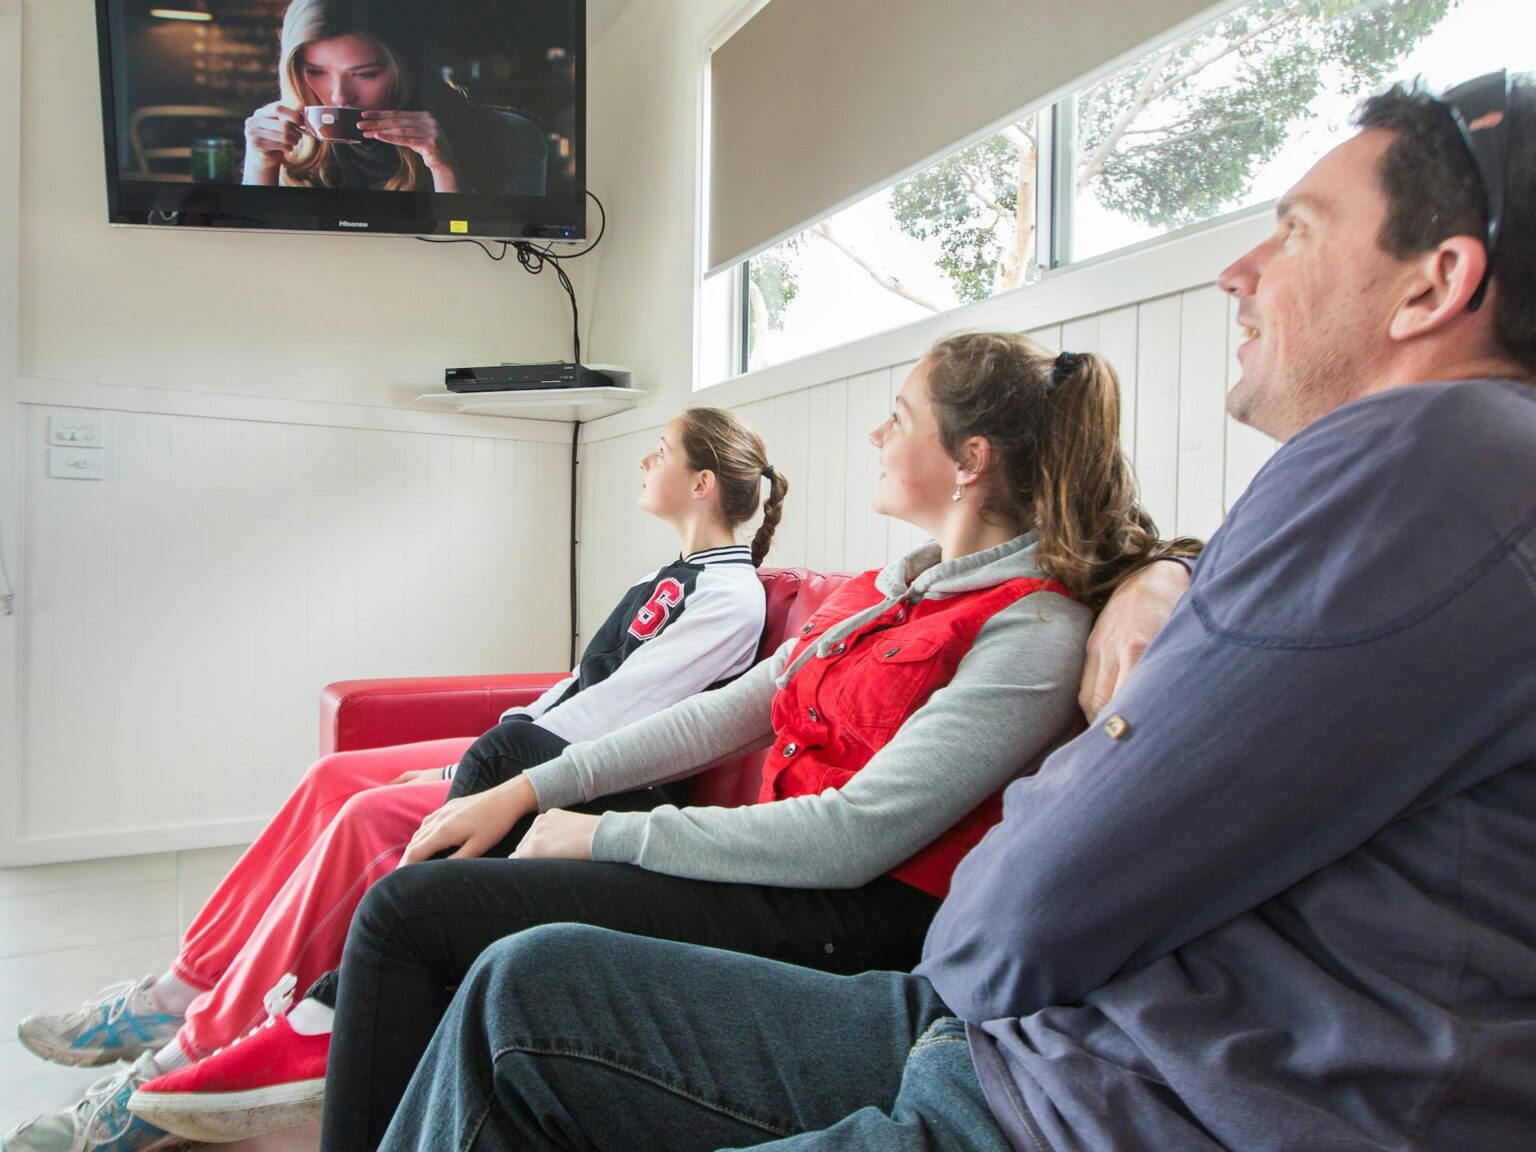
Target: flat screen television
pixel 415 117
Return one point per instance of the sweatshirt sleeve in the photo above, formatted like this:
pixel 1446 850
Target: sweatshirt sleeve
pixel 714 638
pixel 546 698
pixel 1012 698
pixel 667 745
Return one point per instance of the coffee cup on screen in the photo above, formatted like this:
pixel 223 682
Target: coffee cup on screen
pixel 329 122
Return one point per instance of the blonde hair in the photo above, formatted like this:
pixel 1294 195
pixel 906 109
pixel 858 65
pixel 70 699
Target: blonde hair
pixel 726 445
pixel 317 163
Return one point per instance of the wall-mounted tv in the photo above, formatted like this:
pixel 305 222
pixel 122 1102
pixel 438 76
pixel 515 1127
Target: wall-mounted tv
pixel 416 117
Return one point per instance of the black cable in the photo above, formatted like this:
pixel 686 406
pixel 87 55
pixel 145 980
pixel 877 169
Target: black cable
pixel 498 256
pixel 533 258
pixel 575 631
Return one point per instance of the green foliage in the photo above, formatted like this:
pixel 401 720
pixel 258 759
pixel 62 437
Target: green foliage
pixel 1223 101
pixel 774 275
pixel 961 202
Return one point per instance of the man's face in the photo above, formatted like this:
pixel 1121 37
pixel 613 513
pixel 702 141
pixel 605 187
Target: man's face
pixel 1316 299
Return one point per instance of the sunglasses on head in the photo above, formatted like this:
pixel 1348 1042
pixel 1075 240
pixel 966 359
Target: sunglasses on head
pixel 1479 109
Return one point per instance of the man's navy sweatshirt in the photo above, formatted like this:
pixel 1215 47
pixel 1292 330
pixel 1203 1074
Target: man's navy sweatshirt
pixel 1282 894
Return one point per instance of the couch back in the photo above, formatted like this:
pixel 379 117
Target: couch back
pixel 793 595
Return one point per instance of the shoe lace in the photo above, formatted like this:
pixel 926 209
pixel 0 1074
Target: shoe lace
pixel 280 997
pixel 102 1112
pixel 277 1001
pixel 114 998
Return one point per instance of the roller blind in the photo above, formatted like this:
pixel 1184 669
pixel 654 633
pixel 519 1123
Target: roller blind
pixel 814 101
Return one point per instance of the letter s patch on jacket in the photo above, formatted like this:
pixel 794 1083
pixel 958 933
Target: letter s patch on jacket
pixel 653 614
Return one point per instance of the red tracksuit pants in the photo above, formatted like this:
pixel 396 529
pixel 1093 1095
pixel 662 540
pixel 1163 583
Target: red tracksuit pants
pixel 288 902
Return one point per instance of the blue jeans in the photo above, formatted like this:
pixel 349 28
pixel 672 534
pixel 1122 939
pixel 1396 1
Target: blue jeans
pixel 573 1037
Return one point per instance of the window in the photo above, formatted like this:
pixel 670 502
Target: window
pixel 1226 117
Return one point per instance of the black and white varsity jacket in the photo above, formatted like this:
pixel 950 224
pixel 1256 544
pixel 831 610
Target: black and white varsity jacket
pixel 680 630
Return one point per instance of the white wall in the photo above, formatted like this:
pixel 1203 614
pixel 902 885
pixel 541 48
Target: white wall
pixel 257 387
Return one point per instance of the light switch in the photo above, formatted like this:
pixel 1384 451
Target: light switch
pixel 77 429
pixel 77 463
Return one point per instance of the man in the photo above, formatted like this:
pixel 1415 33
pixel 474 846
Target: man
pixel 1280 894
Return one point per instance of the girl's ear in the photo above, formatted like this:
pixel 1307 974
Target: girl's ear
pixel 975 458
pixel 705 484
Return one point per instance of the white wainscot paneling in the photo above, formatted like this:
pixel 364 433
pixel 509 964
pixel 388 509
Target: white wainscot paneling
pixel 181 616
pixel 1173 355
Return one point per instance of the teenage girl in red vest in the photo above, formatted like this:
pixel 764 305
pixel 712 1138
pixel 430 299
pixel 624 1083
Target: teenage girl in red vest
pixel 911 698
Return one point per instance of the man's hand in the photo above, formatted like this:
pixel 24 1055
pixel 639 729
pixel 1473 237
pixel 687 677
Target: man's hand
pixel 472 824
pixel 1125 629
pixel 558 835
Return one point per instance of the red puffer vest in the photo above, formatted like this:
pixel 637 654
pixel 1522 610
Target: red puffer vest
pixel 840 709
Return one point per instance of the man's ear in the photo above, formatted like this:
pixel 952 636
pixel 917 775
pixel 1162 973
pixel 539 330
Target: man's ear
pixel 1441 285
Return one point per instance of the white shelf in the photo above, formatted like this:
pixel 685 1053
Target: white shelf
pixel 562 404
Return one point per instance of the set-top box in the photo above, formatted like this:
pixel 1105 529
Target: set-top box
pixel 525 377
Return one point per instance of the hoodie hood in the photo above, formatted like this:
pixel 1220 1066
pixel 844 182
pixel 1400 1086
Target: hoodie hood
pixel 922 573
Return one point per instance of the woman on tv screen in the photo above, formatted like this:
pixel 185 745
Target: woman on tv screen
pixel 364 105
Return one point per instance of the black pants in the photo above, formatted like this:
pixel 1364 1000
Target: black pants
pixel 502 753
pixel 420 929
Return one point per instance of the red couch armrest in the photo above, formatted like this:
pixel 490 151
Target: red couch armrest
pixel 378 713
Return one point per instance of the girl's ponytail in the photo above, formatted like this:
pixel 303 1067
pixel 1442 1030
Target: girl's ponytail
pixel 1093 530
pixel 773 512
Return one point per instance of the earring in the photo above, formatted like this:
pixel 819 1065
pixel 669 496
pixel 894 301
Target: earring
pixel 959 494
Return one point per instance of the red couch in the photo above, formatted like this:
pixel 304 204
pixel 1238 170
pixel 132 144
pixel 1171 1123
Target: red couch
pixel 376 713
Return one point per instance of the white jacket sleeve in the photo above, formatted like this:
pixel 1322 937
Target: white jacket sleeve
pixel 715 637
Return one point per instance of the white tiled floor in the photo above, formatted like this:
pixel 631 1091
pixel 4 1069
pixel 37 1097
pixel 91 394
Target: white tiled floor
pixel 67 930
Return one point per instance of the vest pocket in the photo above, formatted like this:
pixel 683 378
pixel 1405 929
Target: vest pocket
pixel 877 684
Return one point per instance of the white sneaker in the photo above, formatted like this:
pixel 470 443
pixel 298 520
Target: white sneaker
pixel 100 1122
pixel 118 1023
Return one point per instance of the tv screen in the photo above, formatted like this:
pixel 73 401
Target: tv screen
pixel 417 117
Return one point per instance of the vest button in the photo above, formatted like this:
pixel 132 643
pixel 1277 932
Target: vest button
pixel 791 749
pixel 901 614
pixel 889 652
pixel 839 650
pixel 806 629
pixel 1116 728
pixel 812 713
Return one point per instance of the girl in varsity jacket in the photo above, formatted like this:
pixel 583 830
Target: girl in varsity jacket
pixel 912 697
pixel 285 906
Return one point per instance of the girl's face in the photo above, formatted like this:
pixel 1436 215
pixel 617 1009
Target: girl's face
pixel 917 476
pixel 666 480
pixel 345 72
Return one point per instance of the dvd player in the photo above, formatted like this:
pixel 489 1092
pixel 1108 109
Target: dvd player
pixel 525 377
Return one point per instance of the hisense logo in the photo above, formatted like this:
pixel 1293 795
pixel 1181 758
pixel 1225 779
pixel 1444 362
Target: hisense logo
pixel 353 223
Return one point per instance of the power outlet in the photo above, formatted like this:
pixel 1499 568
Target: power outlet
pixel 77 430
pixel 77 463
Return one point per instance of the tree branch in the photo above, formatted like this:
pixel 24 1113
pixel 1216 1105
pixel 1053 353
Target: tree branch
pixel 1091 167
pixel 1147 95
pixel 880 277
